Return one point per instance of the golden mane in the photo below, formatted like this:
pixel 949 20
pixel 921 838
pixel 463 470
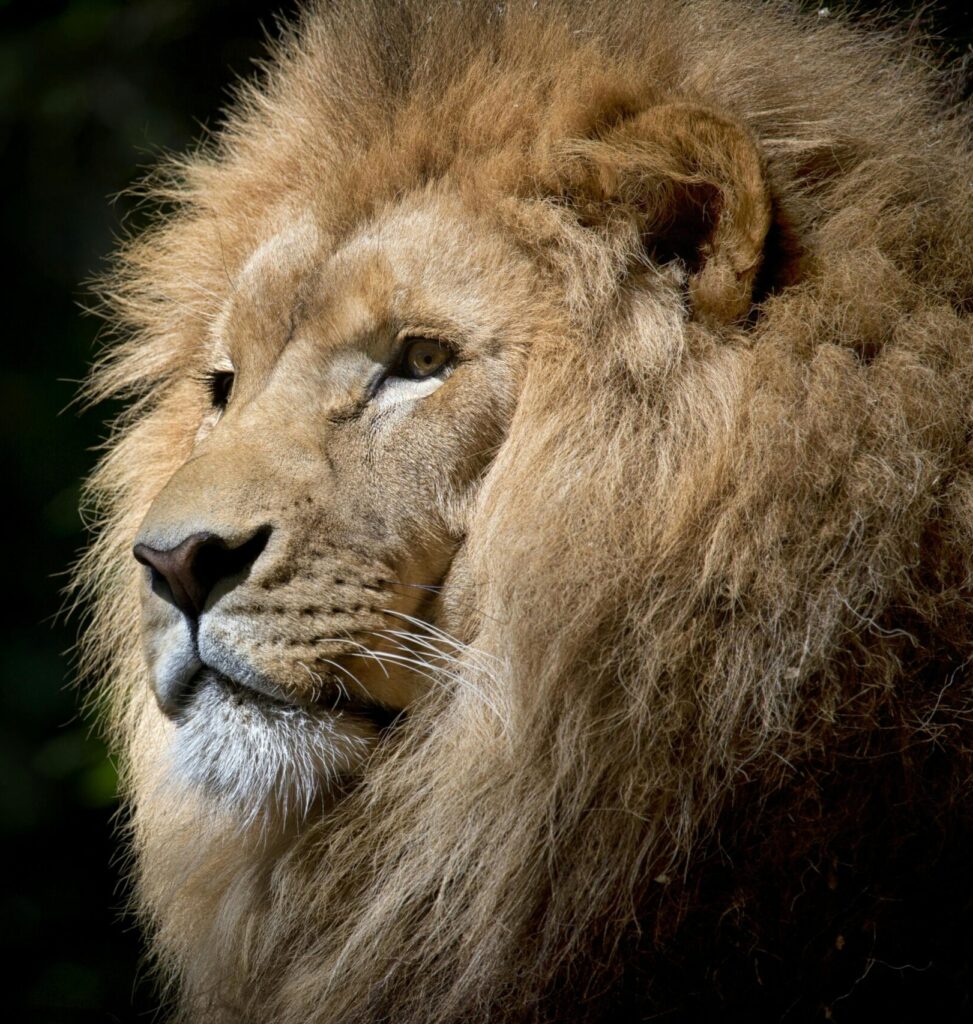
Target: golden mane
pixel 714 729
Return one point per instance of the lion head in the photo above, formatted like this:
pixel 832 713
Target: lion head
pixel 549 483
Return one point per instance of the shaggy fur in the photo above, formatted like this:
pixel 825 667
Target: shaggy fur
pixel 704 746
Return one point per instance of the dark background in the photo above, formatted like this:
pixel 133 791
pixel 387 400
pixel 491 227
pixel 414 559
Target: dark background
pixel 91 91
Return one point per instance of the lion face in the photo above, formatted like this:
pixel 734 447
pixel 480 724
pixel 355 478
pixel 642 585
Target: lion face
pixel 349 399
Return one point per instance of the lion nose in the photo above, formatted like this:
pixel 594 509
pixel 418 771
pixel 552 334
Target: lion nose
pixel 187 573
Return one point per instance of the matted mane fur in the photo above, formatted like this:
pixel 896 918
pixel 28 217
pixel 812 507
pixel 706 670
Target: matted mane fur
pixel 706 743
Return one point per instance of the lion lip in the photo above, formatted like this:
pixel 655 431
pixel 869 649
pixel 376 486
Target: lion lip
pixel 207 674
pixel 179 679
pixel 270 695
pixel 338 704
pixel 183 669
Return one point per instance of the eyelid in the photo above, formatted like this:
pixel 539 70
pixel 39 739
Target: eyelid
pixel 430 332
pixel 417 331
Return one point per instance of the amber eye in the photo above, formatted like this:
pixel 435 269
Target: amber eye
pixel 421 358
pixel 220 387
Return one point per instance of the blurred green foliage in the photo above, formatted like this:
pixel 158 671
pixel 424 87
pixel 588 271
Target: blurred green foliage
pixel 90 92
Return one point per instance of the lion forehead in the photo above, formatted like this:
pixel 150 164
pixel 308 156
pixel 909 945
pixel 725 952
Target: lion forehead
pixel 275 262
pixel 293 242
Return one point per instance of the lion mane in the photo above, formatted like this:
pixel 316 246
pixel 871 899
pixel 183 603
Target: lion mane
pixel 706 746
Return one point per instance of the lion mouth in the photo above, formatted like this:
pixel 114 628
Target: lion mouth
pixel 268 698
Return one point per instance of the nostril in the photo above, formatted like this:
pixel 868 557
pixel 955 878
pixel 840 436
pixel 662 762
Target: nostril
pixel 216 560
pixel 193 568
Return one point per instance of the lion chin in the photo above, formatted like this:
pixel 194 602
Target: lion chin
pixel 259 755
pixel 550 489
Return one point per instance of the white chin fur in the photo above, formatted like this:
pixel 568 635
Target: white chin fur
pixel 258 758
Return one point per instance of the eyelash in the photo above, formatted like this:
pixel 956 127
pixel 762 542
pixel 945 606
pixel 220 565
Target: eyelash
pixel 220 385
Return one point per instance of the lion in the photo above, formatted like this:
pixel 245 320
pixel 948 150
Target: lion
pixel 549 477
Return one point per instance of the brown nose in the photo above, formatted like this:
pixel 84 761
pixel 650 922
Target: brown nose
pixel 187 573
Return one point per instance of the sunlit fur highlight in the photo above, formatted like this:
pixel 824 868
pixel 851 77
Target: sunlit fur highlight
pixel 713 648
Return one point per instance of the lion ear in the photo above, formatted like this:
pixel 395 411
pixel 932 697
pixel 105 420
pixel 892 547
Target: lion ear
pixel 694 181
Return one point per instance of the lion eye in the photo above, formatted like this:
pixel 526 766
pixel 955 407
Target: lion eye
pixel 421 358
pixel 221 387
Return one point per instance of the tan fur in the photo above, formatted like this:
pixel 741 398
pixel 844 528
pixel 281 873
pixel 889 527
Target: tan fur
pixel 700 504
